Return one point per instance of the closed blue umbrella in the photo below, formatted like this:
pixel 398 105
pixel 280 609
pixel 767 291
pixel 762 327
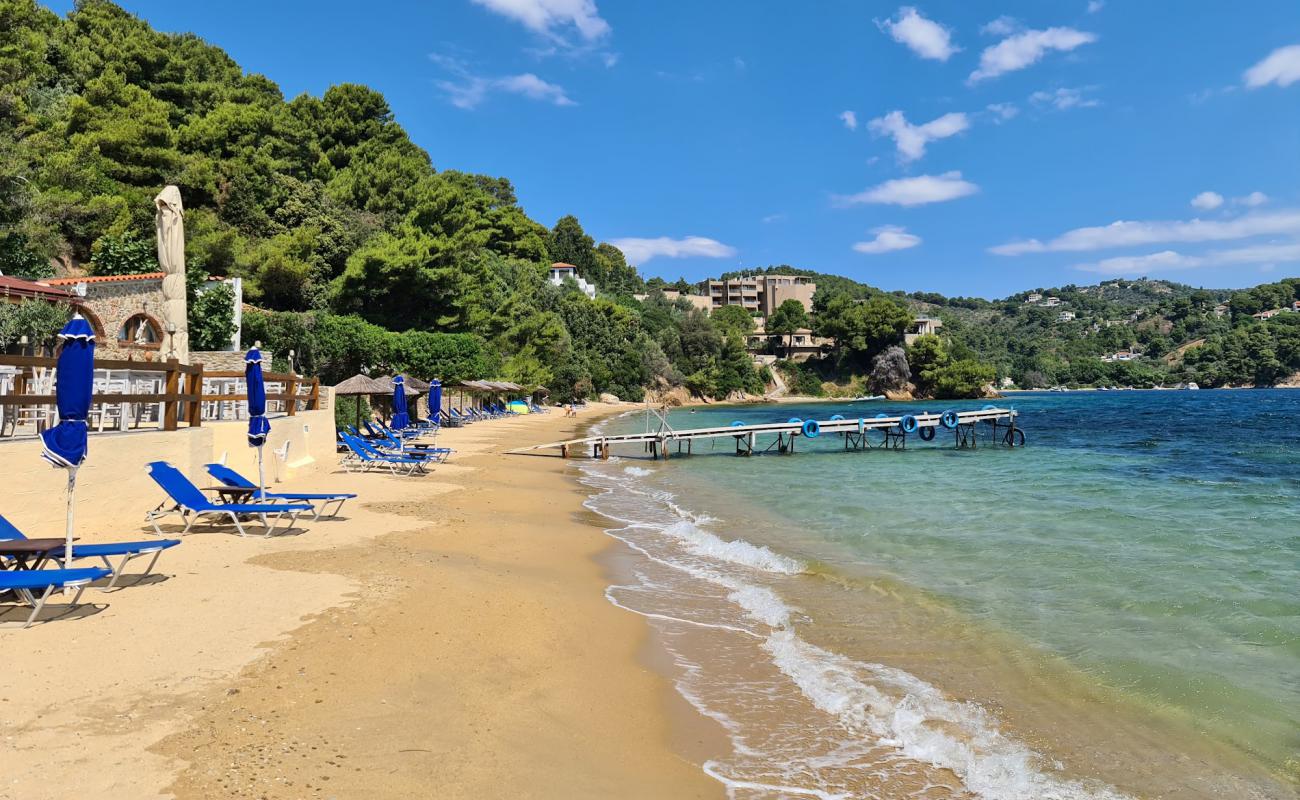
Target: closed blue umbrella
pixel 401 418
pixel 74 375
pixel 435 400
pixel 259 427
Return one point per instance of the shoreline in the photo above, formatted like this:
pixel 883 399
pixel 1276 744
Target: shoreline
pixel 449 638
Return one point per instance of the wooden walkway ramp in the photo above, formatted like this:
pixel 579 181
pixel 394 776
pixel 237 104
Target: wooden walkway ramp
pixel 892 432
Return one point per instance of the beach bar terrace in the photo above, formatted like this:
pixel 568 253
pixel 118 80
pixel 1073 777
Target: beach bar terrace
pixel 142 395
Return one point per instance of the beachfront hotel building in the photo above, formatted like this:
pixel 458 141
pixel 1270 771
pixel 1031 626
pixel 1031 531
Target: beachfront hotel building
pixel 759 294
pixel 922 326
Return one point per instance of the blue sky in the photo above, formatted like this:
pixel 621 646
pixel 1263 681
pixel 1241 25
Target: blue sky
pixel 990 147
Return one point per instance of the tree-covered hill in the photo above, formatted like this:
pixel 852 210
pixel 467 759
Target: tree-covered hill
pixel 360 252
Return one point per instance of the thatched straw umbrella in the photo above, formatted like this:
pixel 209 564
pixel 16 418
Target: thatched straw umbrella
pixel 360 386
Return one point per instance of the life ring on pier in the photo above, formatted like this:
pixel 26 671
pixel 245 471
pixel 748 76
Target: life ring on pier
pixel 926 434
pixel 811 429
pixel 989 408
pixel 836 417
pixel 1014 438
pixel 949 419
pixel 908 424
pixel 737 424
pixel 881 415
pixel 794 421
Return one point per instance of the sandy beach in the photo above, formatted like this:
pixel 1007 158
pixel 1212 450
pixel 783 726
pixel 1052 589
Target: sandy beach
pixel 448 637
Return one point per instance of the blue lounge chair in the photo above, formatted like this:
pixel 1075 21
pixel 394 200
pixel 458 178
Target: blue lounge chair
pixel 325 499
pixel 191 503
pixel 365 457
pixel 387 440
pixel 24 583
pixel 104 552
pixel 387 445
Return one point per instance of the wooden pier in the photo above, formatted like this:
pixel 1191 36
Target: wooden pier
pixel 890 432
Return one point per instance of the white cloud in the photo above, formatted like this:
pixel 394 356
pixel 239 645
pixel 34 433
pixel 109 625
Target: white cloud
pixel 1266 255
pixel 1003 111
pixel 911 139
pixel 471 90
pixel 1282 66
pixel 916 191
pixel 779 216
pixel 926 38
pixel 1023 49
pixel 1064 99
pixel 1002 26
pixel 553 18
pixel 849 119
pixel 1096 5
pixel 1207 201
pixel 1251 200
pixel 1134 234
pixel 888 239
pixel 638 251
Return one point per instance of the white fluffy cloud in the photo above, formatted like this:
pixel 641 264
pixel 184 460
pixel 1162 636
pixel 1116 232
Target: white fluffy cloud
pixel 1064 99
pixel 1264 254
pixel 916 191
pixel 849 119
pixel 1095 5
pixel 638 251
pixel 888 239
pixel 469 91
pixel 553 18
pixel 1003 111
pixel 1002 26
pixel 926 38
pixel 1136 234
pixel 1023 49
pixel 1207 201
pixel 911 139
pixel 1282 66
pixel 1251 200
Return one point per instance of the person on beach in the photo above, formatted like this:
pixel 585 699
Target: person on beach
pixel 570 410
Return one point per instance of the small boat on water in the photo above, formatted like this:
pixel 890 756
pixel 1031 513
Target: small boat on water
pixel 867 398
pixel 1192 385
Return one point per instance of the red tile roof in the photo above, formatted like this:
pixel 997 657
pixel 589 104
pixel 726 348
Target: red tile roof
pixel 562 265
pixel 148 276
pixel 17 287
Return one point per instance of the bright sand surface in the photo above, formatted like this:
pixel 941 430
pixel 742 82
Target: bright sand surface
pixel 448 637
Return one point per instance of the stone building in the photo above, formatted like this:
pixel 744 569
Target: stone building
pixel 126 313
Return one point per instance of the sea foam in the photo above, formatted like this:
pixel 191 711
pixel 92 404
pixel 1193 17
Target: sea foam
pixel 917 719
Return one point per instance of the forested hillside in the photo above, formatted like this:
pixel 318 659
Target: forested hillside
pixel 1172 332
pixel 360 254
pixel 360 250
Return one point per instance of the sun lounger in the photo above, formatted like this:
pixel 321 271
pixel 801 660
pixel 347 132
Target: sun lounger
pixel 389 441
pixel 26 583
pixel 104 552
pixel 325 499
pixel 191 504
pixel 364 457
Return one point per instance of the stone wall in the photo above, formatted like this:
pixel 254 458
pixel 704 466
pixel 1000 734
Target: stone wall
pixel 109 302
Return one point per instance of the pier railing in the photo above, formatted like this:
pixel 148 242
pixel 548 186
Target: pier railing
pixel 142 395
pixel 780 437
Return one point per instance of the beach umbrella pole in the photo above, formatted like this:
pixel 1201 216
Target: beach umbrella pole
pixel 68 526
pixel 261 475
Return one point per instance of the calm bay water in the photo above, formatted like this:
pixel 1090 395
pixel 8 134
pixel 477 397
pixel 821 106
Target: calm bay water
pixel 1113 610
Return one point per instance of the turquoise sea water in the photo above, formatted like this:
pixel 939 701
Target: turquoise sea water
pixel 1143 549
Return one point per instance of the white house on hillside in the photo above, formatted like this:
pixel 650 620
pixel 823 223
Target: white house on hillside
pixel 560 272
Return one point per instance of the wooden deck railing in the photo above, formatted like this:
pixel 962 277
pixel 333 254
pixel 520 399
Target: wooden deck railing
pixel 173 393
